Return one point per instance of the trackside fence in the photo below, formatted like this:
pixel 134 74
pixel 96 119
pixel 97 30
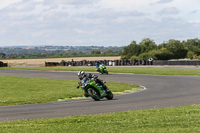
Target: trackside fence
pixel 3 64
pixel 124 62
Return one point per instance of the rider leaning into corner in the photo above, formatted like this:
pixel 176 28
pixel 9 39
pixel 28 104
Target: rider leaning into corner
pixel 84 77
pixel 98 63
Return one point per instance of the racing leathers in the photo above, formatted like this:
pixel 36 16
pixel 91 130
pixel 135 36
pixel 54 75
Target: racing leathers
pixel 97 66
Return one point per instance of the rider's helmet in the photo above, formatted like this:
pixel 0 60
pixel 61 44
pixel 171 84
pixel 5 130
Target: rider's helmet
pixel 81 74
pixel 98 63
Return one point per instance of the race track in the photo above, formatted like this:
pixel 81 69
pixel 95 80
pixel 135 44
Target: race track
pixel 161 91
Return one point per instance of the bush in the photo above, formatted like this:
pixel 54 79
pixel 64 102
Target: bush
pixel 198 57
pixel 134 57
pixel 124 57
pixel 191 55
pixel 62 63
pixel 145 55
pixel 162 54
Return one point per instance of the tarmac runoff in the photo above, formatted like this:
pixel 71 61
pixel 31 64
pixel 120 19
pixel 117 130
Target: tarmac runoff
pixel 133 90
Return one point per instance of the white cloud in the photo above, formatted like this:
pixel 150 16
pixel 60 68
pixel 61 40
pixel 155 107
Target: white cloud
pixel 196 21
pixel 79 31
pixel 96 22
pixel 163 1
pixel 5 3
pixel 125 5
pixel 169 10
pixel 39 1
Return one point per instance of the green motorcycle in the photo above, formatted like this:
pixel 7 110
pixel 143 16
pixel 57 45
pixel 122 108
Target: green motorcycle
pixel 102 69
pixel 94 90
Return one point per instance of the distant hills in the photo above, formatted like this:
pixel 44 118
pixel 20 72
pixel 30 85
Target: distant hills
pixel 24 52
pixel 56 49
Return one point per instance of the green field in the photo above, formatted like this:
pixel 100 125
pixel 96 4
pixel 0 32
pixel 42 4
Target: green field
pixel 152 71
pixel 184 119
pixel 25 90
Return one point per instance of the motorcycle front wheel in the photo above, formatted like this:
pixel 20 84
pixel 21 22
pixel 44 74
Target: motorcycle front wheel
pixel 94 94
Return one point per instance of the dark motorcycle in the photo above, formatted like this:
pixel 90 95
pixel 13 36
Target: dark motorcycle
pixel 94 89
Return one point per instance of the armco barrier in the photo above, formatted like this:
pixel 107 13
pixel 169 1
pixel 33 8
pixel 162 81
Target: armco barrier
pixel 121 62
pixel 176 62
pixel 160 62
pixel 186 62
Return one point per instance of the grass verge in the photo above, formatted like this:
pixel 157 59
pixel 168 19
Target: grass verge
pixel 183 119
pixel 151 71
pixel 25 90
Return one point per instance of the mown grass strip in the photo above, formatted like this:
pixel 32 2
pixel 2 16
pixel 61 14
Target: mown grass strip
pixel 151 71
pixel 115 93
pixel 183 119
pixel 26 90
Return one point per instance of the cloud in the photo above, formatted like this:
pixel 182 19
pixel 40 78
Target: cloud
pixel 110 14
pixel 39 1
pixel 69 2
pixel 6 3
pixel 125 5
pixel 164 1
pixel 194 11
pixel 169 11
pixel 96 22
pixel 196 21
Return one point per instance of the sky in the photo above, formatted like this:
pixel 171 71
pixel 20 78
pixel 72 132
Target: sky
pixel 96 22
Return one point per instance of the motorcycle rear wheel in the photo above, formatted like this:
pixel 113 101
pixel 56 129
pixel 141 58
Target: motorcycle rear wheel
pixel 109 95
pixel 106 71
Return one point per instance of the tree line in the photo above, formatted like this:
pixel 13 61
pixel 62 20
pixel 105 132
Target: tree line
pixel 172 49
pixel 147 48
pixel 59 53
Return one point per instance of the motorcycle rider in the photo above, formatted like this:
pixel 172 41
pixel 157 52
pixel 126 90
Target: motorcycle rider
pixel 98 63
pixel 84 77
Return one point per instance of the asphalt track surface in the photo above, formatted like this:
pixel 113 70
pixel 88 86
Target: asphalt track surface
pixel 160 92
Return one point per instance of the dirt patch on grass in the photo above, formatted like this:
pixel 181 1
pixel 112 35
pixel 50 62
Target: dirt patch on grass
pixel 41 62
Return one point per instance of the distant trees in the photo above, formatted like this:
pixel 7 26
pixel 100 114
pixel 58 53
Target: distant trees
pixel 96 52
pixel 147 48
pixel 2 55
pixel 177 48
pixel 191 55
pixel 141 49
pixel 173 49
pixel 57 52
pixel 147 45
pixel 193 45
pixel 130 50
